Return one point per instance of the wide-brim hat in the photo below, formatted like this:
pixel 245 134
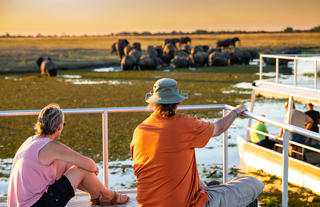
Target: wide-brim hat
pixel 165 91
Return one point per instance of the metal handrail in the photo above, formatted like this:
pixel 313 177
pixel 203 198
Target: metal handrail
pixel 105 111
pixel 294 58
pixel 290 142
pixel 285 126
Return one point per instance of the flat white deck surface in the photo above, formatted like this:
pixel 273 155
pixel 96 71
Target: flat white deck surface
pixel 279 91
pixel 84 201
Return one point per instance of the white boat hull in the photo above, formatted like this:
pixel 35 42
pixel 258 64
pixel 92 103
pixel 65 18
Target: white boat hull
pixel 300 173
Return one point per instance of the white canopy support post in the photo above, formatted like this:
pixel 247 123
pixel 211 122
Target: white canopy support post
pixel 105 148
pixel 261 66
pixel 277 70
pixel 295 72
pixel 315 74
pixel 253 98
pixel 225 152
pixel 285 153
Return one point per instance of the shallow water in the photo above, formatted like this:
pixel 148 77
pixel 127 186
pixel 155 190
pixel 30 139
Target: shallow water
pixel 108 69
pixel 209 158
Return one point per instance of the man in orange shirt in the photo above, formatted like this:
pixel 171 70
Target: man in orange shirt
pixel 164 159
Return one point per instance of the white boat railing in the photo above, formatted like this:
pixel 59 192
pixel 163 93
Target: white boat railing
pixel 290 142
pixel 295 58
pixel 224 107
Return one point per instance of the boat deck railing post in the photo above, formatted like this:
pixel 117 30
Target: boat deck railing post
pixel 105 148
pixel 277 70
pixel 225 152
pixel 315 74
pixel 285 153
pixel 260 67
pixel 295 72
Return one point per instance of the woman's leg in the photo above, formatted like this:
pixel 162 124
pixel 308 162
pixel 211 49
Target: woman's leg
pixel 61 168
pixel 90 183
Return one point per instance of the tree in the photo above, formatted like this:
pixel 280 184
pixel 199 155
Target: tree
pixel 288 30
pixel 316 29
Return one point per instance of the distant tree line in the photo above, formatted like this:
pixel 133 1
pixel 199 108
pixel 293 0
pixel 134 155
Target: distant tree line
pixel 196 32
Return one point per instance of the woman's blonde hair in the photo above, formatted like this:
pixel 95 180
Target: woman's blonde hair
pixel 49 120
pixel 164 110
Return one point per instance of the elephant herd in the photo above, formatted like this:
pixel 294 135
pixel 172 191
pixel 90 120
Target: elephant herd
pixel 174 52
pixel 179 54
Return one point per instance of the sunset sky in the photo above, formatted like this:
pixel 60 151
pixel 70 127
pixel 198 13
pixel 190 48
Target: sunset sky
pixel 107 16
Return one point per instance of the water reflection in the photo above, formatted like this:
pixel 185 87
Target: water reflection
pixel 108 69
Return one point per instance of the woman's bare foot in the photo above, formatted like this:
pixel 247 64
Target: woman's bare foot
pixel 117 198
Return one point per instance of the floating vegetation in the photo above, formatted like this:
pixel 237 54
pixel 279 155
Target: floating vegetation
pixel 271 196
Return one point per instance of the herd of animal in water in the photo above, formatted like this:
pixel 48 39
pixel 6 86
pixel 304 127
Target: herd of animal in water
pixel 174 53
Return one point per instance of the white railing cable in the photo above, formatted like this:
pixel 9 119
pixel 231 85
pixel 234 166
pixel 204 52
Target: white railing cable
pixel 295 58
pixel 290 142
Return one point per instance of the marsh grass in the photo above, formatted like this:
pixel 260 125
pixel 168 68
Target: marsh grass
pixel 272 194
pixel 84 132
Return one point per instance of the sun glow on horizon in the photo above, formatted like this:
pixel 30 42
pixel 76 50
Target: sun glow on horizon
pixel 77 17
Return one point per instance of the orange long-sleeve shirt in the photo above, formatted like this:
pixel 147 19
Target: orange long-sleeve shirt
pixel 164 160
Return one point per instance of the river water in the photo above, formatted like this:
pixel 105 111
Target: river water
pixel 209 158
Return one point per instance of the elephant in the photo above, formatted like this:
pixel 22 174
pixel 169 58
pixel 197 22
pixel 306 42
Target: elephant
pixel 137 46
pixel 166 59
pixel 182 60
pixel 170 50
pixel 159 49
pixel 131 61
pixel 201 59
pixel 228 42
pixel 148 63
pixel 233 58
pixel 114 48
pixel 47 67
pixel 172 41
pixel 182 53
pixel 187 49
pixel 217 59
pixel 185 40
pixel 214 50
pixel 238 56
pixel 127 50
pixel 199 48
pixel 152 52
pixel 121 44
pixel 254 54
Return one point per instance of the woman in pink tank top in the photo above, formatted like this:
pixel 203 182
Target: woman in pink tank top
pixel 47 173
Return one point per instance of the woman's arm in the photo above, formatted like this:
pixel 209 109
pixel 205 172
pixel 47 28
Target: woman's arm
pixel 58 151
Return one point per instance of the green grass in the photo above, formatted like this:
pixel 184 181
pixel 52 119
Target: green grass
pixel 31 91
pixel 20 54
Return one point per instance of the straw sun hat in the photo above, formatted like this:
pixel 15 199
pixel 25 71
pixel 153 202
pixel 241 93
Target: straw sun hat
pixel 165 91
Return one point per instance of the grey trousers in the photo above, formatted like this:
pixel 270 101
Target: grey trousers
pixel 239 192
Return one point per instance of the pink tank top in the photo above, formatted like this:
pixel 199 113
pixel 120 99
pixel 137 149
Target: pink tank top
pixel 29 179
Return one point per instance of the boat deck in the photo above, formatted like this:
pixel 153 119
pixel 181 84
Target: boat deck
pixel 84 201
pixel 281 91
